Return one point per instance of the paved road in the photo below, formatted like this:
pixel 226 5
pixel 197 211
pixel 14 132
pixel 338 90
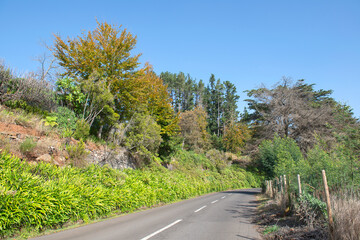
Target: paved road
pixel 223 215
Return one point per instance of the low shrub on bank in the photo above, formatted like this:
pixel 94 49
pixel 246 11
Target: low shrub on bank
pixel 46 196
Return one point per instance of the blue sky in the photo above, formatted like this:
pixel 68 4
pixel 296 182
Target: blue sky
pixel 247 42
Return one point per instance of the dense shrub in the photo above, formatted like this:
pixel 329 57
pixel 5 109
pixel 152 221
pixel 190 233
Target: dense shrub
pixel 218 158
pixel 82 130
pixel 143 136
pixel 28 89
pixel 27 145
pixel 65 118
pixel 277 156
pixel 77 154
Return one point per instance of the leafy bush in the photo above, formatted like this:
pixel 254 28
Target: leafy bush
pixel 77 154
pixel 82 129
pixel 143 136
pixel 27 145
pixel 218 158
pixel 65 118
pixel 311 210
pixel 278 156
pixel 50 121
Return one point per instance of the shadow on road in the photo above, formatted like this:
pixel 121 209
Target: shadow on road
pixel 244 237
pixel 253 191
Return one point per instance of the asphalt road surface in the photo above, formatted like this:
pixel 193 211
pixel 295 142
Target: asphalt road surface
pixel 217 216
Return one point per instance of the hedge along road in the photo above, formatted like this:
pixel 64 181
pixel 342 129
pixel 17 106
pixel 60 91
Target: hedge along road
pixel 223 215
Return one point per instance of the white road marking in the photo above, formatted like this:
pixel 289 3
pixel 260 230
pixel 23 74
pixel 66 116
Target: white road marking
pixel 230 193
pixel 200 209
pixel 160 230
pixel 223 197
pixel 214 201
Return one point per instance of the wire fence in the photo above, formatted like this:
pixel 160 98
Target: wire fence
pixel 289 189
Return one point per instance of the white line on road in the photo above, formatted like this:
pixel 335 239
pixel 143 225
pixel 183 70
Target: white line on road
pixel 214 201
pixel 200 208
pixel 223 197
pixel 160 230
pixel 230 193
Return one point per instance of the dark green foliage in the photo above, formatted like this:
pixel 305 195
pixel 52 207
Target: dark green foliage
pixel 340 168
pixel 230 102
pixel 277 156
pixel 65 118
pixel 217 142
pixel 28 108
pixel 316 205
pixel 184 91
pixel 82 129
pixel 143 136
pixel 169 146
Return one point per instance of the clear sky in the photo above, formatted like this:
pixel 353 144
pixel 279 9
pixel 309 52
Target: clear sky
pixel 247 42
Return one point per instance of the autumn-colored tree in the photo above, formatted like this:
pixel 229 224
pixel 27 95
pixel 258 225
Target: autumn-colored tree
pixel 235 136
pixel 157 102
pixel 106 51
pixel 193 129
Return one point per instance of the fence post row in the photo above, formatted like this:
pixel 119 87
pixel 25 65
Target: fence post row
pixel 281 185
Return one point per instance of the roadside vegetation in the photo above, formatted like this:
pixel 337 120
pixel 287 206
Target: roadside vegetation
pixel 43 196
pixel 314 133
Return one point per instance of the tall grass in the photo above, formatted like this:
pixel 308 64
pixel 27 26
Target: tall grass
pixel 346 208
pixel 46 196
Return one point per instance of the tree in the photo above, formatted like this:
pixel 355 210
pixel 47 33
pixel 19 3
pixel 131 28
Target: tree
pixel 230 103
pixel 199 93
pixel 87 97
pixel 143 136
pixel 157 103
pixel 181 89
pixel 235 136
pixel 214 98
pixel 292 110
pixel 193 129
pixel 106 51
pixel 274 155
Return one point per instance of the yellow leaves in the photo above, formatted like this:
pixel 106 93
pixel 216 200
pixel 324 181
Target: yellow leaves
pixel 235 135
pixel 105 50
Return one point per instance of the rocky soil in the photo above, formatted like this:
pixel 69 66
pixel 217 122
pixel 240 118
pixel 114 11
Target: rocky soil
pixel 51 148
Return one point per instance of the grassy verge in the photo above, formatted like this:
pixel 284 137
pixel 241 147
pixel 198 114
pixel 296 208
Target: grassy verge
pixel 44 196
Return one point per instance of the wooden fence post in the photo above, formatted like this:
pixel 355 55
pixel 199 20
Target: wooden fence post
pixel 286 191
pixel 270 188
pixel 266 187
pixel 281 185
pixel 299 184
pixel 327 195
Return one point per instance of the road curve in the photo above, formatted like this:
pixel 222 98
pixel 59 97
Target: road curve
pixel 223 215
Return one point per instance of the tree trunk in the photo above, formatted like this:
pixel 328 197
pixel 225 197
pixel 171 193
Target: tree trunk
pixel 100 131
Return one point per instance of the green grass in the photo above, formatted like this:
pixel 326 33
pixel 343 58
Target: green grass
pixel 271 229
pixel 45 196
